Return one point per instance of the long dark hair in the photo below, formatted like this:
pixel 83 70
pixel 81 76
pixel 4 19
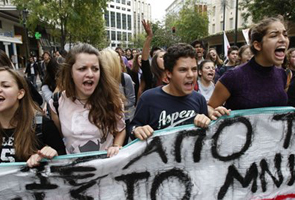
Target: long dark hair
pixel 131 56
pixel 156 70
pixel 136 66
pixel 218 61
pixel 51 74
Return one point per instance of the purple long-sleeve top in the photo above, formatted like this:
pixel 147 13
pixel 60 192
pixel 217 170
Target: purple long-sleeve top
pixel 252 86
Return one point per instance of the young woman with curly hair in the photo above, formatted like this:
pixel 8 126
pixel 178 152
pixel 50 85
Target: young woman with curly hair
pixel 90 112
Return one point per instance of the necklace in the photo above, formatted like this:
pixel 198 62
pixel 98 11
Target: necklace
pixel 81 101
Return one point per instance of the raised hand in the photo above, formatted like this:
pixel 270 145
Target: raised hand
pixel 147 27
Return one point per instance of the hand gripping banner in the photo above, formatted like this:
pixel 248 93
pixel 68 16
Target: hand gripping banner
pixel 249 155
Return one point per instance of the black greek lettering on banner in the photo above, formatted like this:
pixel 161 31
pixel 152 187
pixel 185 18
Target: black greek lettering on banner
pixel 154 146
pixel 199 133
pixel 289 117
pixel 233 173
pixel 177 173
pixel 265 169
pixel 226 123
pixel 130 180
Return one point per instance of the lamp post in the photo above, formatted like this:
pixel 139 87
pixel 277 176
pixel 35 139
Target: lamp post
pixel 24 17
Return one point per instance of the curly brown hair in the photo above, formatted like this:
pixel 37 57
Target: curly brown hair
pixel 289 52
pixel 106 106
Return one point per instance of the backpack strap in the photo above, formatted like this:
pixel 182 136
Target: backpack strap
pixel 55 98
pixel 123 83
pixel 38 121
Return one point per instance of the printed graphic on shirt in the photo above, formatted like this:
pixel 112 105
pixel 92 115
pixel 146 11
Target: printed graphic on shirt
pixel 8 151
pixel 174 119
pixel 90 146
pixel 86 132
pixel 85 146
pixel 81 124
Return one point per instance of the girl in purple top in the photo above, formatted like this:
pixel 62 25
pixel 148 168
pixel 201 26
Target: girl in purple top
pixel 257 83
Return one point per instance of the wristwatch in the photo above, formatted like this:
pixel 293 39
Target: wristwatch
pixel 133 129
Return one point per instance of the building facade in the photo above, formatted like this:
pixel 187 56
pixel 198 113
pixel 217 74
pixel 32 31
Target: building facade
pixel 216 20
pixel 177 5
pixel 141 10
pixel 215 11
pixel 11 33
pixel 15 40
pixel 123 20
pixel 118 22
pixel 219 23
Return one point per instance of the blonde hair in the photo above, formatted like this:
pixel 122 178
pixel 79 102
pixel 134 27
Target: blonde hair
pixel 111 60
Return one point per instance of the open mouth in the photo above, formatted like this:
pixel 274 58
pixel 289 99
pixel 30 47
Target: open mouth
pixel 210 74
pixel 88 83
pixel 189 85
pixel 1 99
pixel 280 52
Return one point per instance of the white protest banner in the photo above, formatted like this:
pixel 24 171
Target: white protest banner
pixel 249 155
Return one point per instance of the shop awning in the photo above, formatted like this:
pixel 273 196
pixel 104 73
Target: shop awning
pixel 10 39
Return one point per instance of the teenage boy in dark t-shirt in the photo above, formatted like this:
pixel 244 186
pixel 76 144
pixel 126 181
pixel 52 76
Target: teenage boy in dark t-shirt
pixel 176 103
pixel 232 55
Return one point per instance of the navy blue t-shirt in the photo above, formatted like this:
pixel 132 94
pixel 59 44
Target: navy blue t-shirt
pixel 161 110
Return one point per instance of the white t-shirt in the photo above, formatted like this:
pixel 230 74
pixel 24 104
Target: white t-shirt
pixel 206 91
pixel 32 69
pixel 81 135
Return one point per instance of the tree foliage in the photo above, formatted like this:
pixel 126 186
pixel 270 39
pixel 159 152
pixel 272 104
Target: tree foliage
pixel 163 35
pixel 191 23
pixel 138 41
pixel 87 24
pixel 80 19
pixel 258 9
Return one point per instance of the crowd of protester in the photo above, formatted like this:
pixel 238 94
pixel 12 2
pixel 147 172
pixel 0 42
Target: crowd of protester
pixel 101 100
